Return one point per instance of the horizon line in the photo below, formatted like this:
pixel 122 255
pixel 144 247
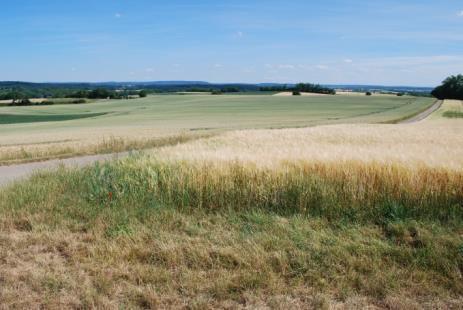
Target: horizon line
pixel 208 82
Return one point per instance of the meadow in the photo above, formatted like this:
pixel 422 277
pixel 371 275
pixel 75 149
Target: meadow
pixel 335 216
pixel 107 126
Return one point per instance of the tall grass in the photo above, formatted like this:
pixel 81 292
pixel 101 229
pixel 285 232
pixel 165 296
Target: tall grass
pixel 145 233
pixel 349 190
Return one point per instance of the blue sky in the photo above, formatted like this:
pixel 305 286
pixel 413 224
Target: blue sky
pixel 334 41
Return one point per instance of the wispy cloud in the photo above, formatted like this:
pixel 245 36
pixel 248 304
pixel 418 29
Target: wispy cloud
pixel 238 35
pixel 118 15
pixel 410 61
pixel 460 14
pixel 348 61
pixel 321 67
pixel 289 67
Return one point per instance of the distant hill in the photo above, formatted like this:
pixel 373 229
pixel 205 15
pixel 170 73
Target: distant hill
pixel 403 89
pixel 59 89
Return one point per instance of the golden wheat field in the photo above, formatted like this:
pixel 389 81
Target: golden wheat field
pixel 435 142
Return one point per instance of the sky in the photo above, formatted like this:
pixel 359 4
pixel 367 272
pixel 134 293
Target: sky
pixel 375 42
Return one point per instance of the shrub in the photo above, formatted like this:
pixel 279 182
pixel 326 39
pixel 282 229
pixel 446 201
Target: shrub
pixel 296 93
pixel 79 101
pixel 46 102
pixel 368 93
pixel 21 102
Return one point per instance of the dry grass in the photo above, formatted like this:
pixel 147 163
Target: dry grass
pixel 144 234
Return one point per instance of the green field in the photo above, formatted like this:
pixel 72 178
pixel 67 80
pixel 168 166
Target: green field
pixel 41 118
pixel 218 112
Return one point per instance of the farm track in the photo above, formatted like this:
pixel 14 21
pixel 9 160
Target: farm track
pixel 9 174
pixel 423 115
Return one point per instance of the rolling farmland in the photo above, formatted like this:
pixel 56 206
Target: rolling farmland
pixel 119 125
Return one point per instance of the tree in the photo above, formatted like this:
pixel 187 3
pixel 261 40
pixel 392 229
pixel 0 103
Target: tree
pixel 230 90
pixel 14 96
pixel 99 93
pixel 451 88
pixel 296 93
pixel 21 102
pixel 368 93
pixel 314 88
pixel 143 94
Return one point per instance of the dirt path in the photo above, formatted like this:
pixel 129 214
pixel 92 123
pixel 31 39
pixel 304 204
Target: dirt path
pixel 9 174
pixel 423 115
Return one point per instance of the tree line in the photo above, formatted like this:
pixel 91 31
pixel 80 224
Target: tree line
pixel 20 96
pixel 103 93
pixel 451 88
pixel 301 88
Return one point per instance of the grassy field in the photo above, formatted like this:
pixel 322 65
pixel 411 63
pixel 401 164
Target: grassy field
pixel 66 130
pixel 336 216
pixel 230 112
pixel 42 118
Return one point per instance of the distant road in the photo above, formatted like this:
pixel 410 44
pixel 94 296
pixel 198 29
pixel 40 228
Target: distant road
pixel 9 174
pixel 423 115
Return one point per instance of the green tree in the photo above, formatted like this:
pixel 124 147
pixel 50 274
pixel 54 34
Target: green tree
pixel 99 93
pixel 143 94
pixel 451 88
pixel 314 88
